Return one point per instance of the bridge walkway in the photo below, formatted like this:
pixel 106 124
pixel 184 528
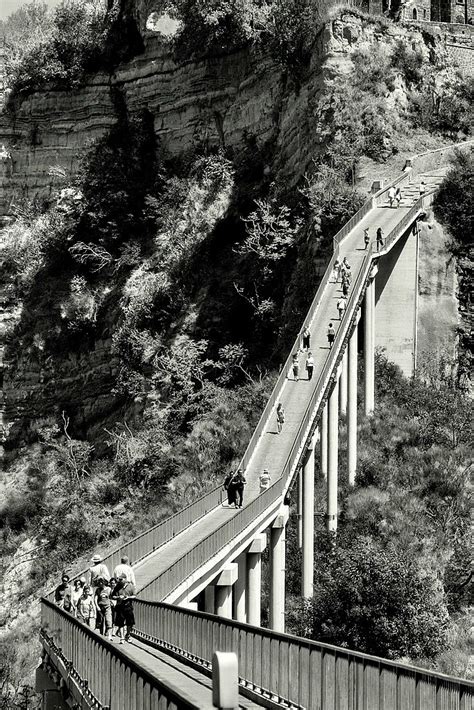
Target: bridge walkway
pixel 272 449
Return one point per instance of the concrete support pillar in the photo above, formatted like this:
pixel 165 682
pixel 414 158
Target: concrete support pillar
pixel 299 513
pixel 308 523
pixel 277 561
pixel 352 407
pixel 333 443
pixel 369 346
pixel 343 384
pixel 223 590
pixel 189 605
pixel 210 599
pixel 240 609
pixel 254 579
pixel 324 441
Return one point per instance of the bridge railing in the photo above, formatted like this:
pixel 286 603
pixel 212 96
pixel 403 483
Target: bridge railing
pixel 307 673
pixel 117 681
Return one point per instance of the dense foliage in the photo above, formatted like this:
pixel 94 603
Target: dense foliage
pixel 453 204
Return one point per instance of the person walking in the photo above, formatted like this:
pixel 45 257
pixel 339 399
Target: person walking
pixel 264 480
pixel 345 288
pixel 99 570
pixel 239 482
pixel 310 365
pixel 335 271
pixel 104 608
pixel 86 611
pixel 331 335
pixel 295 367
pixel 230 488
pixel 124 567
pixel 124 593
pixel 305 339
pixel 398 196
pixel 422 191
pixel 379 238
pixel 63 593
pixel 76 593
pixel 341 306
pixel 391 195
pixel 280 414
pixel 366 238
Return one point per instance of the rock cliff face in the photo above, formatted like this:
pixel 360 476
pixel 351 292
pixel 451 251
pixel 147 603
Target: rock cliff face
pixel 217 101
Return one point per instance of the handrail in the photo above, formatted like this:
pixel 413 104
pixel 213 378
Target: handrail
pixel 102 663
pixel 299 667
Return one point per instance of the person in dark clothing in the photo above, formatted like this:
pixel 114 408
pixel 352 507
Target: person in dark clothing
pixel 379 240
pixel 331 334
pixel 239 483
pixel 124 593
pixel 306 338
pixel 63 593
pixel 230 488
pixel 366 238
pixel 345 288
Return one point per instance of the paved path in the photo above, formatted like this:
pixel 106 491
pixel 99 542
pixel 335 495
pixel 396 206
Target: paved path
pixel 196 686
pixel 273 449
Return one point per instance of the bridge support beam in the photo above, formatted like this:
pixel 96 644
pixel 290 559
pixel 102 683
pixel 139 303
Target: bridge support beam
pixel 223 590
pixel 299 514
pixel 277 560
pixel 369 347
pixel 210 599
pixel 240 609
pixel 352 407
pixel 324 441
pixel 333 443
pixel 254 579
pixel 308 523
pixel 343 384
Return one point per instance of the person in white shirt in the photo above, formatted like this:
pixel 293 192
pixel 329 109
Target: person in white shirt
pixel 391 195
pixel 124 568
pixel 264 480
pixel 98 570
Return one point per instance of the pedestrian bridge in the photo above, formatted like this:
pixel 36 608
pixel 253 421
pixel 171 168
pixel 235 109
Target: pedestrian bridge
pixel 199 572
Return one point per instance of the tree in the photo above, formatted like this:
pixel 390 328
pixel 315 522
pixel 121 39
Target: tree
pixel 377 599
pixel 453 203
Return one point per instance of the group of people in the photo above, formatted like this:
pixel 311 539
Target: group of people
pixel 234 486
pixel 394 196
pixel 104 602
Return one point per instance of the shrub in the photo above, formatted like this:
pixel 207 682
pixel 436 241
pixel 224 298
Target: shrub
pixel 453 202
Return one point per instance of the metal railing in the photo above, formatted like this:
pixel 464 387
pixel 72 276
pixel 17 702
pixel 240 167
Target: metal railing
pixel 309 674
pixel 116 679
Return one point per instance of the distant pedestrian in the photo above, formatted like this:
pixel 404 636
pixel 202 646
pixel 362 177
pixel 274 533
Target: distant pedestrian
pixel 63 593
pixel 280 414
pixel 305 339
pixel 366 238
pixel 239 482
pixel 422 191
pixel 264 480
pixel 341 306
pixel 310 365
pixel 379 238
pixel 124 566
pixel 391 195
pixel 230 488
pixel 124 593
pixel 296 367
pixel 335 271
pixel 345 264
pixel 331 334
pixel 345 288
pixel 398 196
pixel 98 570
pixel 77 592
pixel 104 608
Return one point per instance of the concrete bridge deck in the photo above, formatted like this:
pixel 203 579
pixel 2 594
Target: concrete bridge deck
pixel 273 449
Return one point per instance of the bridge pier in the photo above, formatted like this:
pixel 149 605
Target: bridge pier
pixel 240 610
pixel 343 385
pixel 352 406
pixel 210 599
pixel 333 443
pixel 308 523
pixel 299 513
pixel 369 346
pixel 254 579
pixel 324 441
pixel 278 570
pixel 223 590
